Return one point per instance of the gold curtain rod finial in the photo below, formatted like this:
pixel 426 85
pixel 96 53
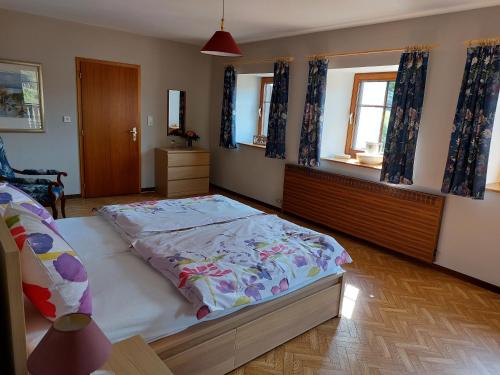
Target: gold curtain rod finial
pixel 482 42
pixel 421 47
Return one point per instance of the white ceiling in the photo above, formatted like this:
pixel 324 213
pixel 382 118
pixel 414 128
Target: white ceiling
pixel 193 21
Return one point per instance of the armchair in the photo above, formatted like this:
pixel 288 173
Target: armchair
pixel 46 192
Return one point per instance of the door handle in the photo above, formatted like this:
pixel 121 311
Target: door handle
pixel 134 134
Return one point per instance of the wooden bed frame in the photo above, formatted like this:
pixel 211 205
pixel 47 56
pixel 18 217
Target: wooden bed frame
pixel 213 347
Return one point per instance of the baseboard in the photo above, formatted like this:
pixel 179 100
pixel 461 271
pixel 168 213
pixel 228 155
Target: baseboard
pixel 236 194
pixel 472 280
pixel 72 196
pixel 143 190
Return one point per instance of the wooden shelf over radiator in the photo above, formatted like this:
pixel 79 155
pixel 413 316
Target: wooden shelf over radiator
pixel 402 220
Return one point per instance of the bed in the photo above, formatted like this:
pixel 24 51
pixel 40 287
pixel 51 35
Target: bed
pixel 225 341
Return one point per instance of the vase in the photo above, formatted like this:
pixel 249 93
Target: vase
pixel 189 143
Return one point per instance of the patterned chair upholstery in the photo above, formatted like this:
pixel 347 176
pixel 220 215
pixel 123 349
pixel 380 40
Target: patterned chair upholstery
pixel 45 191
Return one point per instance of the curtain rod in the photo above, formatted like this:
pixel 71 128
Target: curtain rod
pixel 482 42
pixel 260 61
pixel 421 47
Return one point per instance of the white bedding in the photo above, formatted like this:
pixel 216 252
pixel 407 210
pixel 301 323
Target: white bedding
pixel 139 220
pixel 243 262
pixel 129 297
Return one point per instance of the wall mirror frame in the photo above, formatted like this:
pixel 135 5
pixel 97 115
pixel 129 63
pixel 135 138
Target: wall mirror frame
pixel 176 111
pixel 21 97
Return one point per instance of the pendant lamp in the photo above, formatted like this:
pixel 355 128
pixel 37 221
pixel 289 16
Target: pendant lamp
pixel 222 42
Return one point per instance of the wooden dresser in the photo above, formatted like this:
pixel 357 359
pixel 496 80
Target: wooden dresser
pixel 181 171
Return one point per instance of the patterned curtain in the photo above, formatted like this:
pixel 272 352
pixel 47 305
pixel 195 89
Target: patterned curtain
pixel 310 134
pixel 467 164
pixel 402 132
pixel 5 168
pixel 276 128
pixel 228 116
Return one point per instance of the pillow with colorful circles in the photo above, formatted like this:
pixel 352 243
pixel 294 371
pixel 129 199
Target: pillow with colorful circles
pixel 54 279
pixel 11 194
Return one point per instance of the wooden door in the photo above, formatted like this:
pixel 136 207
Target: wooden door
pixel 109 121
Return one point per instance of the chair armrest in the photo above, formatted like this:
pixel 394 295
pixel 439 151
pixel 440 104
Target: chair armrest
pixel 28 181
pixel 38 172
pixel 43 172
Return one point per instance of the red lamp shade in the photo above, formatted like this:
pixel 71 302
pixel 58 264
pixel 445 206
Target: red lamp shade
pixel 73 345
pixel 221 44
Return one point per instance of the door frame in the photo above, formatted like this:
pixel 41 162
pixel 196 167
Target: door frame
pixel 81 152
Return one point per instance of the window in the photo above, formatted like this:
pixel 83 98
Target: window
pixel 253 97
pixel 493 175
pixel 266 90
pixel 371 103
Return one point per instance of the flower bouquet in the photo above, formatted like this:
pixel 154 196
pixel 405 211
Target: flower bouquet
pixel 190 136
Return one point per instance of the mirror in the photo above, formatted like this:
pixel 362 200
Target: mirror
pixel 176 111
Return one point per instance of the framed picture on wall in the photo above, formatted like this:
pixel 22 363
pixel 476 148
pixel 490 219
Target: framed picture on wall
pixel 21 97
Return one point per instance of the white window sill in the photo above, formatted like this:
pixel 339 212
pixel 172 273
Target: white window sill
pixel 252 145
pixel 353 162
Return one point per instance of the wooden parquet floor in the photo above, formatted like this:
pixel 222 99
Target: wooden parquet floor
pixel 399 317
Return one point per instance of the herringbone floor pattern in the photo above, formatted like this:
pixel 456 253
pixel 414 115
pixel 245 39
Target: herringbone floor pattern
pixel 400 317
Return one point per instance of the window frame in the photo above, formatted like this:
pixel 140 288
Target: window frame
pixel 351 124
pixel 260 120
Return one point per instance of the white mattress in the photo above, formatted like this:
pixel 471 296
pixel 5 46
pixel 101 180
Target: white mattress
pixel 129 297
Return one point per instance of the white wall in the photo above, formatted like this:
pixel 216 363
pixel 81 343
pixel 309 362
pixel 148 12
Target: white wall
pixel 55 44
pixel 247 107
pixel 337 110
pixel 469 237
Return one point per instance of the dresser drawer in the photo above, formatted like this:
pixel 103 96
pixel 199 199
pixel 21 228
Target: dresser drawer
pixel 178 188
pixel 182 173
pixel 182 159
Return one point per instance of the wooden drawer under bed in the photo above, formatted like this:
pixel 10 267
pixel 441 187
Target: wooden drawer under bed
pixel 245 335
pixel 213 357
pixel 271 330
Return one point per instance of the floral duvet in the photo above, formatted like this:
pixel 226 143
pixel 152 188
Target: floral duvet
pixel 141 219
pixel 248 261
